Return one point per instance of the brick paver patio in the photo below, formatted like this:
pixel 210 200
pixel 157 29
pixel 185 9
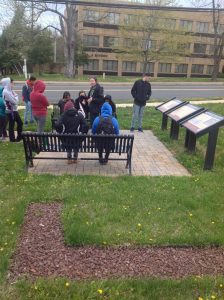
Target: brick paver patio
pixel 150 158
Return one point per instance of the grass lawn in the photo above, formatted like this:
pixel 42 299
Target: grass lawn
pixel 61 77
pixel 99 210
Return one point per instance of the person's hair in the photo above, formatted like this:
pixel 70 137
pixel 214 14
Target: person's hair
pixel 82 92
pixel 11 79
pixel 32 78
pixel 66 94
pixel 94 77
pixel 145 74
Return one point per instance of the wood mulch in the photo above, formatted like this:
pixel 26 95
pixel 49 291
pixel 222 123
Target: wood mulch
pixel 41 252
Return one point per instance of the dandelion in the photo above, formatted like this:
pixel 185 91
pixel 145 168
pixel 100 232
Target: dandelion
pixel 151 239
pixel 35 287
pixel 100 291
pixel 118 234
pixel 139 225
pixel 190 215
pixel 213 222
pixel 6 244
pixel 13 223
pixel 104 243
pixel 213 297
pixel 221 285
pixel 200 298
pixel 1 249
pixel 67 284
pixel 159 208
pixel 87 223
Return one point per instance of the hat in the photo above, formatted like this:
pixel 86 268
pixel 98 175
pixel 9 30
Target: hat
pixel 108 97
pixel 68 105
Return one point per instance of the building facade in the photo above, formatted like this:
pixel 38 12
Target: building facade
pixel 100 31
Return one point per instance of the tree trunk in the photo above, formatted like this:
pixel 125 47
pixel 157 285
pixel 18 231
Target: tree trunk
pixel 69 40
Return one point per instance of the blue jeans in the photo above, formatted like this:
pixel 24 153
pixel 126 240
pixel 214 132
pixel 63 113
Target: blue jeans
pixel 28 110
pixel 137 115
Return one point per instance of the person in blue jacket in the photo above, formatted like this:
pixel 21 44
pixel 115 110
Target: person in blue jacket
pixel 105 124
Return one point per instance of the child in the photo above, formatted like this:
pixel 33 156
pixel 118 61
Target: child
pixel 81 104
pixel 3 133
pixel 108 99
pixel 61 104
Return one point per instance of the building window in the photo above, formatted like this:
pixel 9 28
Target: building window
pixel 210 69
pixel 112 18
pixel 131 19
pixel 211 49
pixel 110 42
pixel 181 68
pixel 129 66
pixel 220 28
pixel 149 68
pixel 186 25
pixel 202 27
pixel 92 65
pixel 197 69
pixel 110 65
pixel 127 42
pixel 91 40
pixel 164 68
pixel 149 44
pixel 200 48
pixel 91 15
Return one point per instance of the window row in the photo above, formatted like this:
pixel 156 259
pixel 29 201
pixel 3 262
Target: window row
pixel 130 66
pixel 115 19
pixel 110 42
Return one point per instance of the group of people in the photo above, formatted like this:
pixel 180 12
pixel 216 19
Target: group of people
pixel 100 110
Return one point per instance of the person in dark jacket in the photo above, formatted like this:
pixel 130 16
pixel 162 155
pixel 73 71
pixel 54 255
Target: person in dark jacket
pixel 3 133
pixel 81 103
pixel 65 98
pixel 71 121
pixel 95 99
pixel 141 92
pixel 108 99
pixel 106 113
pixel 26 91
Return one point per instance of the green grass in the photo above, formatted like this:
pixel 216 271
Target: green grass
pixel 113 207
pixel 61 77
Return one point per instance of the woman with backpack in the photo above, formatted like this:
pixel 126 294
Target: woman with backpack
pixel 95 99
pixel 105 124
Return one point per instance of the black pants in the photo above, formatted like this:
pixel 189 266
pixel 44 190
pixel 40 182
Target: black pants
pixel 3 132
pixel 15 117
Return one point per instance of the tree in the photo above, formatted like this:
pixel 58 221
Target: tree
pixel 149 37
pixel 41 51
pixel 216 17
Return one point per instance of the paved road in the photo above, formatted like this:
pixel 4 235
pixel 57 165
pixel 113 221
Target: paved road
pixel 121 92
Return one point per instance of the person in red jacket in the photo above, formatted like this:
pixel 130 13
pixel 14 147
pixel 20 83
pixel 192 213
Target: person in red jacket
pixel 39 104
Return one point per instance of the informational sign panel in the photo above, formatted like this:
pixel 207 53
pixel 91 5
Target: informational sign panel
pixel 183 112
pixel 203 122
pixel 169 105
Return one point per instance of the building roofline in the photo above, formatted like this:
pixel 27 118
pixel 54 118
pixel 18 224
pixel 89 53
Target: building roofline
pixel 127 5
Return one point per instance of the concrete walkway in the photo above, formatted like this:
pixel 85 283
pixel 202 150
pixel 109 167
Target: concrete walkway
pixel 149 158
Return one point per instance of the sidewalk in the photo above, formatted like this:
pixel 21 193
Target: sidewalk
pixel 149 158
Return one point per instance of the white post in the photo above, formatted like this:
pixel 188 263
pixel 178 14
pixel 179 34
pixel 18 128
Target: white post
pixel 25 68
pixel 104 75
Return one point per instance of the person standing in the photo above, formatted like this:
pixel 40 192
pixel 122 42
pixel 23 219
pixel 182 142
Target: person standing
pixel 81 103
pixel 141 92
pixel 26 91
pixel 12 100
pixel 95 99
pixel 3 133
pixel 39 104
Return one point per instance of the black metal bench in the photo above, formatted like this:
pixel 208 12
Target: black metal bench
pixel 54 142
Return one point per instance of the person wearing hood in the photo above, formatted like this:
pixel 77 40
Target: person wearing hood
pixel 82 104
pixel 71 121
pixel 12 100
pixel 39 104
pixel 105 124
pixel 3 133
pixel 26 91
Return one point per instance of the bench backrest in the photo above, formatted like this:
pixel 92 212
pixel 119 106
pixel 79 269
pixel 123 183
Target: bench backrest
pixel 86 143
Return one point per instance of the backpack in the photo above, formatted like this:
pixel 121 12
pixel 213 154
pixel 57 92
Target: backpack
pixel 105 125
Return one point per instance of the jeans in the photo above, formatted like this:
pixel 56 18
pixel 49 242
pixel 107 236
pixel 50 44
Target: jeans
pixel 28 111
pixel 137 115
pixel 15 117
pixel 41 120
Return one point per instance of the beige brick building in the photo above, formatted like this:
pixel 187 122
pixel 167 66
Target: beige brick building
pixel 99 27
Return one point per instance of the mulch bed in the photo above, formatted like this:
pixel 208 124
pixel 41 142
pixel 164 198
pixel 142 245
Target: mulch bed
pixel 41 252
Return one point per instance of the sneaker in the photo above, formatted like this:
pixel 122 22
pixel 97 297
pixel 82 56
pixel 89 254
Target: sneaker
pixel 140 130
pixel 132 129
